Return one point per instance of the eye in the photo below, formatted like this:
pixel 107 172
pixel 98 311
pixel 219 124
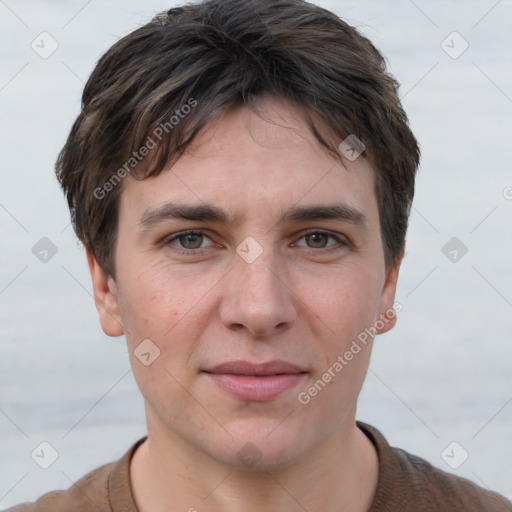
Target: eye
pixel 188 240
pixel 319 240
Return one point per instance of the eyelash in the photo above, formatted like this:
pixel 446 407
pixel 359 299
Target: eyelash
pixel 341 242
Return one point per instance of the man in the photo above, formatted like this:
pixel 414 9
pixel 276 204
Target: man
pixel 241 176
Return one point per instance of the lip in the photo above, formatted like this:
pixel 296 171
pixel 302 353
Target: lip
pixel 247 368
pixel 256 381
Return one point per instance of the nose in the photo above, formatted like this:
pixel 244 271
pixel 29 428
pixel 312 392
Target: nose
pixel 258 298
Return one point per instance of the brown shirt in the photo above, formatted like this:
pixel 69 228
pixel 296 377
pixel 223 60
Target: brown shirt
pixel 406 484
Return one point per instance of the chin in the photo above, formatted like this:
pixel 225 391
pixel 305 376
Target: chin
pixel 264 449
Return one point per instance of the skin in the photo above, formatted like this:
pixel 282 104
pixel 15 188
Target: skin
pixel 296 301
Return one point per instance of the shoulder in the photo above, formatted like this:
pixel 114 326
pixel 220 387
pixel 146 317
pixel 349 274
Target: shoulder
pixel 438 488
pixel 104 489
pixel 408 482
pixel 90 493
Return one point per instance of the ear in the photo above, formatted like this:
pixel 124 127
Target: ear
pixel 387 315
pixel 105 297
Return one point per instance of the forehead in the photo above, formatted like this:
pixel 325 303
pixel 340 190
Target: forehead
pixel 248 162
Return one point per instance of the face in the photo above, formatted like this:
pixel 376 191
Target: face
pixel 255 247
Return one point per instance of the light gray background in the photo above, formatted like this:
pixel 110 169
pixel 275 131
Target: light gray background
pixel 442 375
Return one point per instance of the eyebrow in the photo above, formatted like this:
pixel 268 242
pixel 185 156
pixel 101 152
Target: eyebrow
pixel 208 212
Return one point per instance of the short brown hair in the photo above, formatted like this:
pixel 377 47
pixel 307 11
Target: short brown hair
pixel 210 57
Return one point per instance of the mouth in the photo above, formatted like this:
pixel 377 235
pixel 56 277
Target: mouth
pixel 256 381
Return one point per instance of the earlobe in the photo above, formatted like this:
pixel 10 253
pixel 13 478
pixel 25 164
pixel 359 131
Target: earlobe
pixel 386 321
pixel 105 297
pixel 387 314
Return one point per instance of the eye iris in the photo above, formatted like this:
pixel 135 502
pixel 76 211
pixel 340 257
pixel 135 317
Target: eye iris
pixel 193 238
pixel 315 238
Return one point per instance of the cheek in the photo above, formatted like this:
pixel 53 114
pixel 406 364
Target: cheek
pixel 153 311
pixel 343 311
pixel 169 308
pixel 151 301
pixel 344 302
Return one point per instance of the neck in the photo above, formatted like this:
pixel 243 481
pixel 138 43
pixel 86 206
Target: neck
pixel 339 475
